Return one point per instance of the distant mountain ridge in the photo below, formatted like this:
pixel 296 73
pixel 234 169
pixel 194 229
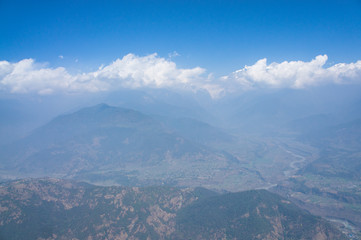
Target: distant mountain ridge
pixel 136 147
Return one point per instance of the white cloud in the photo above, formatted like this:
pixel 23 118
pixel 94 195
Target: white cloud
pixel 294 74
pixel 149 71
pixel 25 76
pixel 129 72
pixel 155 72
pixel 5 69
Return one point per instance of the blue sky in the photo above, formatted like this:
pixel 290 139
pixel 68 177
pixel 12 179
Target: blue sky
pixel 221 36
pixel 218 36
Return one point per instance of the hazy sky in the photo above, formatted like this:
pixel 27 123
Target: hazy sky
pixel 47 46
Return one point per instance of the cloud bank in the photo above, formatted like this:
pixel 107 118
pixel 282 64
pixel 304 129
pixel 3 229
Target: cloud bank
pixel 27 76
pixel 129 72
pixel 294 74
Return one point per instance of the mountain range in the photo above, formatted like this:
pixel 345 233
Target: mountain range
pixel 62 209
pixel 302 145
pixel 100 141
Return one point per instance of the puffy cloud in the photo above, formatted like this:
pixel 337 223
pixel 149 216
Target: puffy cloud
pixel 294 74
pixel 5 69
pixel 129 72
pixel 25 76
pixel 149 71
pixel 155 72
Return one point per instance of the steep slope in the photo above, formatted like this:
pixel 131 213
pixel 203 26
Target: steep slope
pixel 59 209
pixel 255 214
pixel 200 132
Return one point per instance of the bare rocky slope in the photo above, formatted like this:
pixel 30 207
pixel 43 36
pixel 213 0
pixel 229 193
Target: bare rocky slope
pixel 62 209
